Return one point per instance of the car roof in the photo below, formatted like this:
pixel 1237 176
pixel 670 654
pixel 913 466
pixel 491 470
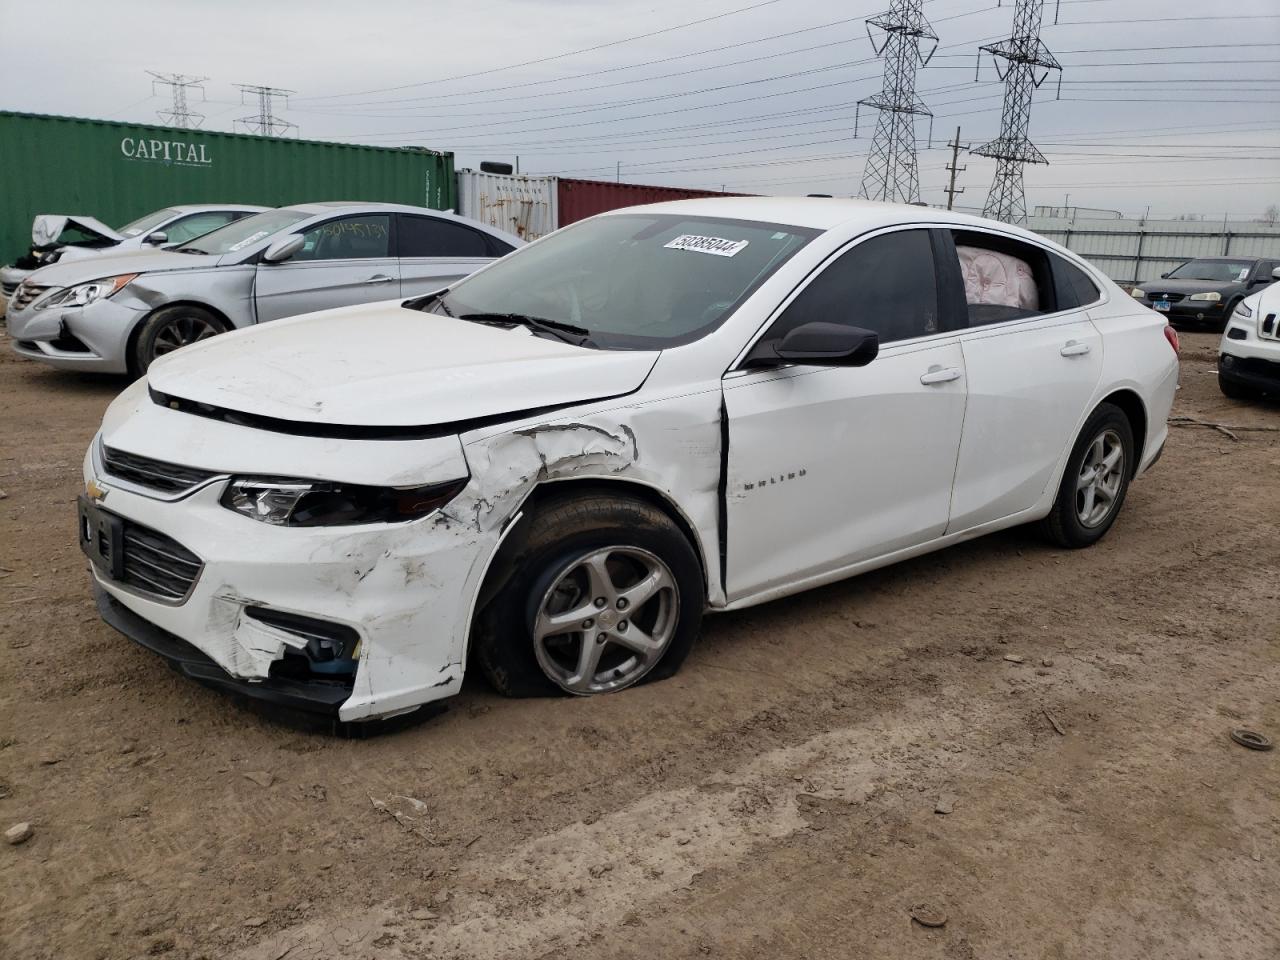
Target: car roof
pixel 325 206
pixel 1230 259
pixel 202 207
pixel 820 213
pixel 322 207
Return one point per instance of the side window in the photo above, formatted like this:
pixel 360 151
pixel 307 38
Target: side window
pixel 429 237
pixel 349 238
pixel 1074 288
pixel 197 225
pixel 498 248
pixel 1004 279
pixel 885 284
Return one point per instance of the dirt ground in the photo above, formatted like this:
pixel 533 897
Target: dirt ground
pixel 776 799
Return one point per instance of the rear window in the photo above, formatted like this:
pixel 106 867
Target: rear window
pixel 434 237
pixel 1075 289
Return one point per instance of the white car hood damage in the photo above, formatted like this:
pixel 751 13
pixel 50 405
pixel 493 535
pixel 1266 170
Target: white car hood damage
pixel 47 227
pixel 386 365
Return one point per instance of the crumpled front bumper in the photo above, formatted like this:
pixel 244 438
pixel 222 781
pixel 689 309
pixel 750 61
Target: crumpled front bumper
pixel 406 589
pixel 94 337
pixel 322 698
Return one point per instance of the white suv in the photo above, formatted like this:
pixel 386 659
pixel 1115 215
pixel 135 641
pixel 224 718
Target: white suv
pixel 1249 355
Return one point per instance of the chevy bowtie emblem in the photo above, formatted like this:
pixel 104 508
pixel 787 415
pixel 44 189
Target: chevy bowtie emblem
pixel 96 493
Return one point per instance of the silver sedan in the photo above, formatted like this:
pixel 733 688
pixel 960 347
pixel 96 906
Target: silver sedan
pixel 116 314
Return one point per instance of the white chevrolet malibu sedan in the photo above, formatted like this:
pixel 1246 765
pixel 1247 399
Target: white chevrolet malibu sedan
pixel 552 469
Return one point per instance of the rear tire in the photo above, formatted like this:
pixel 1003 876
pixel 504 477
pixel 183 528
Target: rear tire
pixel 171 328
pixel 540 632
pixel 1095 481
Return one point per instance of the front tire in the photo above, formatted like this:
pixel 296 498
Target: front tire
pixel 597 594
pixel 1233 390
pixel 1095 481
pixel 171 328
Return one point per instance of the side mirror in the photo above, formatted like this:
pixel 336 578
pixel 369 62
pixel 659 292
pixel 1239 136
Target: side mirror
pixel 1164 276
pixel 284 248
pixel 158 239
pixel 819 344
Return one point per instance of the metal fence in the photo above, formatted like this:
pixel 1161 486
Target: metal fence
pixel 1131 251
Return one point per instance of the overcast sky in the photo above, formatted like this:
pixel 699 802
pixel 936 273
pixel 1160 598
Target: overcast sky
pixel 1165 105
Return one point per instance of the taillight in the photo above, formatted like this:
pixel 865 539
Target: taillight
pixel 1171 335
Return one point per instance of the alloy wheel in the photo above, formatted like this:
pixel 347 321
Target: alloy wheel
pixel 1101 479
pixel 181 332
pixel 606 620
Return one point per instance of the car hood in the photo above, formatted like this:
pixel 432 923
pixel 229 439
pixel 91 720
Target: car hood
pixel 68 272
pixel 385 365
pixel 1153 287
pixel 47 227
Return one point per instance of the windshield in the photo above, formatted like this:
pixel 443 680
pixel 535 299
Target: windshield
pixel 243 233
pixel 148 223
pixel 637 281
pixel 1221 271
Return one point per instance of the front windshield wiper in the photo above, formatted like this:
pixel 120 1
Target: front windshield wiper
pixel 431 299
pixel 191 250
pixel 566 332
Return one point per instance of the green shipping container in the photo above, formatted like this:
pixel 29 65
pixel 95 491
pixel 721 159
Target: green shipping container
pixel 117 172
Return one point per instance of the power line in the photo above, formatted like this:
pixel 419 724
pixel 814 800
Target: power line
pixel 435 96
pixel 179 114
pixel 558 56
pixel 398 134
pixel 265 123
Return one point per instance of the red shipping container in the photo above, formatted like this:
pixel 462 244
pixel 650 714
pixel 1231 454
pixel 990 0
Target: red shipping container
pixel 579 199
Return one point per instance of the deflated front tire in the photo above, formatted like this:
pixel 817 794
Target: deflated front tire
pixel 596 594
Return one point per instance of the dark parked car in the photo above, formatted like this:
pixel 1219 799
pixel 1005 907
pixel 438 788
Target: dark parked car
pixel 1207 289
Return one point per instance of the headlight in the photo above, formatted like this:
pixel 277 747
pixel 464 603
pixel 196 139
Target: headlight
pixel 1138 293
pixel 1243 310
pixel 315 503
pixel 1206 297
pixel 86 293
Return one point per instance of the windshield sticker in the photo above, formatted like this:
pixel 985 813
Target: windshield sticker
pixel 1243 273
pixel 712 245
pixel 252 238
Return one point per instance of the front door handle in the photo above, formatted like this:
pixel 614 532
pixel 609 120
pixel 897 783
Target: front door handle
pixel 379 278
pixel 1074 348
pixel 937 375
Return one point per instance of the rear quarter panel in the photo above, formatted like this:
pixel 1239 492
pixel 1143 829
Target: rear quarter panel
pixel 1137 357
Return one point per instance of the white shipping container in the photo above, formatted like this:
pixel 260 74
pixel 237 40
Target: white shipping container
pixel 525 206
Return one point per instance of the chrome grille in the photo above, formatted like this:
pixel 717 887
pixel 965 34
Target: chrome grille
pixel 1171 297
pixel 25 293
pixel 152 474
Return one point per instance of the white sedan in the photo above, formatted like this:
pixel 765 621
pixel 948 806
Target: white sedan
pixel 554 468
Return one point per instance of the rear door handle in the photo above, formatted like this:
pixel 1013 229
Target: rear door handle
pixel 937 375
pixel 379 278
pixel 1074 348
